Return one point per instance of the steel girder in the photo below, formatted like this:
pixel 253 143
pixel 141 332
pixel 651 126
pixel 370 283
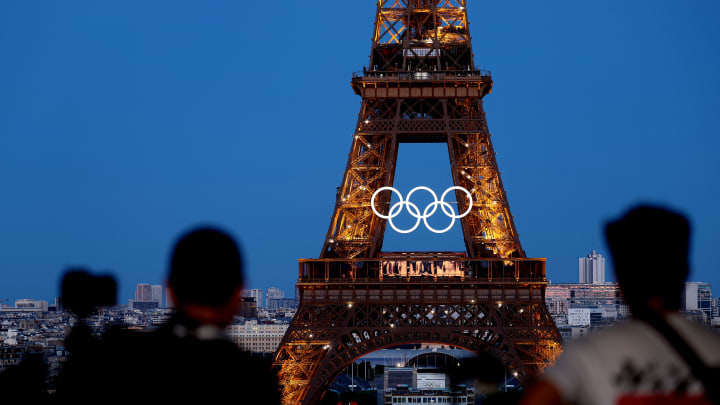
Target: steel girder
pixel 490 228
pixel 421 34
pixel 324 338
pixel 355 231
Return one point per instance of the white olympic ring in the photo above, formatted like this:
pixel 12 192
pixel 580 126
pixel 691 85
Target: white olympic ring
pixel 447 209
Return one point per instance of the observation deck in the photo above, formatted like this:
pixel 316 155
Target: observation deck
pixel 428 279
pixel 422 84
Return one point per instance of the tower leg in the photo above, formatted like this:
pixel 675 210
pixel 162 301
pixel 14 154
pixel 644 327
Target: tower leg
pixel 489 229
pixel 354 230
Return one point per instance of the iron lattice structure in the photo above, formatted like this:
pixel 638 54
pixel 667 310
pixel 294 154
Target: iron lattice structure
pixel 421 86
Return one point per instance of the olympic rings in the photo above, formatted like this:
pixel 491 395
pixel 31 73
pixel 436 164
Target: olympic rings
pixel 413 209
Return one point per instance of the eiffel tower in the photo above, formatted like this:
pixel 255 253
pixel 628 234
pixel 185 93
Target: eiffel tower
pixel 421 86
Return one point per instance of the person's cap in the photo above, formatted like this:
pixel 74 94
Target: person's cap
pixel 205 268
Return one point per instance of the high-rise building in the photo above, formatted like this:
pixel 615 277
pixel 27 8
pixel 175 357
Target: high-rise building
pixel 273 293
pixel 697 296
pixel 247 307
pixel 257 293
pixel 143 293
pixel 591 269
pixel 157 293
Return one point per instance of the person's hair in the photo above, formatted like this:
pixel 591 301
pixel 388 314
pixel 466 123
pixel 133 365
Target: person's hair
pixel 649 247
pixel 205 268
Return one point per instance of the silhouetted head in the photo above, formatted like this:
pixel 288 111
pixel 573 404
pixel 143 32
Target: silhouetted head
pixel 205 269
pixel 649 247
pixel 83 292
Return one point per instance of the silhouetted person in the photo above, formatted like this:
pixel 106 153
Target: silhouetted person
pixel 656 357
pixel 189 359
pixel 25 382
pixel 29 381
pixel 82 294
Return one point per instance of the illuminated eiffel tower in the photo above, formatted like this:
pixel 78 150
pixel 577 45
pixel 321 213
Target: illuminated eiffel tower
pixel 421 86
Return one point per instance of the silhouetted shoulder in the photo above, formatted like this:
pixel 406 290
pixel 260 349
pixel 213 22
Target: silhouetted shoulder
pixel 628 359
pixel 705 341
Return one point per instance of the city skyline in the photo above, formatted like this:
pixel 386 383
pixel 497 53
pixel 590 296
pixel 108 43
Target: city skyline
pixel 255 292
pixel 121 134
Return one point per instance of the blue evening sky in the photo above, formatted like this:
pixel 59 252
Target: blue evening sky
pixel 124 123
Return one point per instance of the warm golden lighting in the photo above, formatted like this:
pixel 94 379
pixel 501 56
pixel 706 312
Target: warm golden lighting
pixel 421 85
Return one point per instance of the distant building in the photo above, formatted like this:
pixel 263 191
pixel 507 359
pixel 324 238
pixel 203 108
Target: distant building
pixel 400 377
pixel 591 269
pixel 156 294
pixel 273 293
pixel 697 296
pixel 257 337
pixel 158 318
pixel 147 297
pixel 591 316
pixel 578 317
pixel 282 303
pixel 143 293
pixel 32 304
pixel 144 305
pixel 409 395
pixel 572 332
pixel 27 305
pixel 603 300
pixel 715 321
pixel 557 300
pixel 11 356
pixel 256 293
pixel 593 295
pixel 247 308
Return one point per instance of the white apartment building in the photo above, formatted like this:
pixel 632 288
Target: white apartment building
pixel 579 317
pixel 257 338
pixel 591 316
pixel 27 305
